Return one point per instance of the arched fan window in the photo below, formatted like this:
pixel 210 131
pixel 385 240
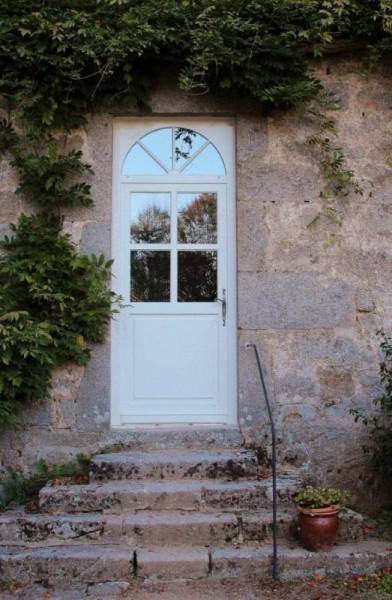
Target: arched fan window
pixel 173 149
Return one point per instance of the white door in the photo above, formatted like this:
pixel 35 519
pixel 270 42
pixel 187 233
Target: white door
pixel 173 342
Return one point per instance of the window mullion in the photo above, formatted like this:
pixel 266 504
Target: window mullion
pixel 173 258
pixel 191 159
pixel 152 155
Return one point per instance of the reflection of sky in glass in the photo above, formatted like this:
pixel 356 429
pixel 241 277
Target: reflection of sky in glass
pixel 159 142
pixel 138 162
pixel 187 144
pixel 184 200
pixel 208 162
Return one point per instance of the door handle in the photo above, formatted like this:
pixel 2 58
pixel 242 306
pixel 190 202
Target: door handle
pixel 223 301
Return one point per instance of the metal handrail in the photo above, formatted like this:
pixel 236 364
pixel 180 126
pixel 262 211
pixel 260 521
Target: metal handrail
pixel 273 440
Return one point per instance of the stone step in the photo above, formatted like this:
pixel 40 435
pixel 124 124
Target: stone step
pixel 192 495
pixel 246 561
pixel 175 464
pixel 67 565
pixel 20 528
pixel 173 563
pixel 295 562
pixel 163 528
pixel 77 565
pixel 162 437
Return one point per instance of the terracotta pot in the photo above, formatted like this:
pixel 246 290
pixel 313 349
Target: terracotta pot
pixel 318 527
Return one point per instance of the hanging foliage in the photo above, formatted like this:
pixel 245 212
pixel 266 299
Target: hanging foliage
pixel 61 59
pixel 53 301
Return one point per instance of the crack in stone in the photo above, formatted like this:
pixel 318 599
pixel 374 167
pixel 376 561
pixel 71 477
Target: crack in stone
pixel 83 533
pixel 240 525
pixel 134 565
pixel 209 562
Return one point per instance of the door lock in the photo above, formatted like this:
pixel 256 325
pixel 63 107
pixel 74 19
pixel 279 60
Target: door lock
pixel 224 306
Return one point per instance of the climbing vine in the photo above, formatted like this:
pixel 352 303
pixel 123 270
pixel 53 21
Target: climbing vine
pixel 62 59
pixel 340 180
pixel 379 425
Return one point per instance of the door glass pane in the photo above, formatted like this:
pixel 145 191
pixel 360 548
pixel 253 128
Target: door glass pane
pixel 186 143
pixel 150 276
pixel 150 217
pixel 159 142
pixel 197 218
pixel 208 162
pixel 197 276
pixel 138 162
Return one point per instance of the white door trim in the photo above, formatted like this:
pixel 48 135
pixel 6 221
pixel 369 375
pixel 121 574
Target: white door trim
pixel 127 131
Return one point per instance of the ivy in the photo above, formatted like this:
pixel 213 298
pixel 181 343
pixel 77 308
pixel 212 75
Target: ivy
pixel 62 59
pixel 26 362
pixel 54 302
pixel 340 180
pixel 58 60
pixel 44 173
pixel 379 426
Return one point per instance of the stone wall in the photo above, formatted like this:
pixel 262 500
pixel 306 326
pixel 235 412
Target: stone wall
pixel 311 296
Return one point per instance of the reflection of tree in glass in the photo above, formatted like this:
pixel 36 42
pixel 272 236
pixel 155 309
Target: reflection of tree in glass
pixel 152 225
pixel 197 221
pixel 197 271
pixel 150 281
pixel 183 139
pixel 197 276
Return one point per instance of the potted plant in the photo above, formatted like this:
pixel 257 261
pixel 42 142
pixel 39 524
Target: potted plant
pixel 318 518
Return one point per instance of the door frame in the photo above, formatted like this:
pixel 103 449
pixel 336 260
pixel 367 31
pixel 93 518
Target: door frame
pixel 221 132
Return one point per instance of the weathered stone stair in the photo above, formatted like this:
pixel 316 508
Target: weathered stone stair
pixel 175 464
pixel 201 495
pixel 160 528
pixel 169 515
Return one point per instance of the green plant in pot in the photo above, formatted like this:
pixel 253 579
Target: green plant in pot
pixel 318 518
